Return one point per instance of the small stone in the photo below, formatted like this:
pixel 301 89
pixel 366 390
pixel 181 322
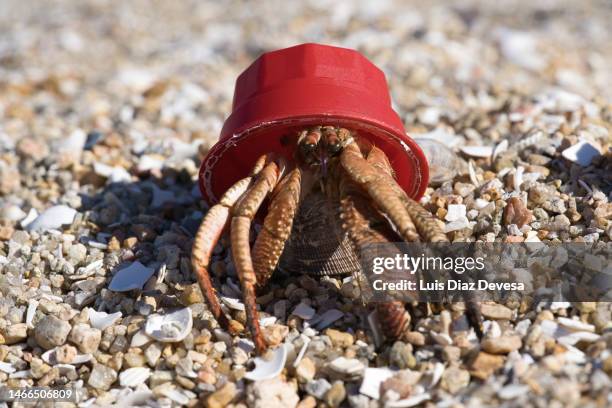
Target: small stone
pixel 502 345
pixel 607 365
pixel 308 402
pixel 336 394
pixel 274 334
pixel 51 332
pixel 65 354
pixel 454 379
pixel 485 364
pixel 415 338
pixel 317 388
pixel 495 311
pixel 15 333
pixel 38 368
pixel 273 393
pixel 102 377
pixel 153 353
pixel 222 397
pixel 86 338
pixel 401 355
pixel 399 385
pixel 306 370
pixel 451 353
pixel 77 253
pixel 340 339
pixel 515 212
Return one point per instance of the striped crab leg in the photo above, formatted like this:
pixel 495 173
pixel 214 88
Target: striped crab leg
pixel 209 232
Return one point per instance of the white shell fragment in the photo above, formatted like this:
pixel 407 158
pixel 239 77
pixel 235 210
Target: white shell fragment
pixel 130 278
pixel 53 218
pixel 303 311
pixel 32 215
pixel 266 369
pixel 7 368
pixel 409 402
pixel 346 365
pixel 375 327
pixel 581 153
pixel 102 320
pixel 134 376
pixel 32 306
pixel 478 151
pixel 50 357
pixel 170 327
pixel 372 378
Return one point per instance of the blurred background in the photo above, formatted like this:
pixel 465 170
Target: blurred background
pixel 441 58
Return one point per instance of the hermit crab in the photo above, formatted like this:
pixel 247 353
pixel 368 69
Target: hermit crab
pixel 313 139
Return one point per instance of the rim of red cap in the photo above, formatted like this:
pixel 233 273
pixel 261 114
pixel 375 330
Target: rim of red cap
pixel 324 85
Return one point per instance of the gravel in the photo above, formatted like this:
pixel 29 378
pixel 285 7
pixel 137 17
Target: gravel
pixel 106 110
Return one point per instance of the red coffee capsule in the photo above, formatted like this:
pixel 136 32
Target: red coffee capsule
pixel 310 84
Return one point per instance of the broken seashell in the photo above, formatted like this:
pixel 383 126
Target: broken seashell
pixel 302 351
pixel 131 277
pixel 50 357
pixel 170 327
pixel 32 215
pixel 134 376
pixel 346 365
pixel 267 369
pixel 232 303
pixel 581 153
pixel 575 325
pixel 408 402
pixel 140 338
pixel 372 378
pixel 102 320
pixel 53 218
pixel 477 151
pixel 32 305
pixel 7 368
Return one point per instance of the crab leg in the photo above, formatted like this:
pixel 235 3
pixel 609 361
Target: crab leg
pixel 425 223
pixel 277 226
pixel 242 216
pixel 208 234
pixel 376 184
pixel 428 228
pixel 358 214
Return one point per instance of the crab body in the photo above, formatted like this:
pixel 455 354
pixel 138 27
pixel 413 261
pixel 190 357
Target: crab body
pixel 337 194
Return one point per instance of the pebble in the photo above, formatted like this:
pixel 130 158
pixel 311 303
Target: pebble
pixel 15 333
pixel 273 393
pixel 50 332
pixel 102 377
pixel 401 355
pixel 502 345
pixel 336 394
pixel 274 334
pixel 495 311
pixel 340 339
pixel 305 370
pixel 454 379
pixel 222 397
pixel 86 338
pixel 484 365
pixel 317 388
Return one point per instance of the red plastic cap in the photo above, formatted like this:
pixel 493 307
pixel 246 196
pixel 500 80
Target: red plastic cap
pixel 309 84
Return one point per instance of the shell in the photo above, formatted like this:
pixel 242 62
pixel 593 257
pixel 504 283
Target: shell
pixel 372 378
pixel 266 369
pixel 131 277
pixel 134 376
pixel 170 327
pixel 444 164
pixel 53 218
pixel 102 320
